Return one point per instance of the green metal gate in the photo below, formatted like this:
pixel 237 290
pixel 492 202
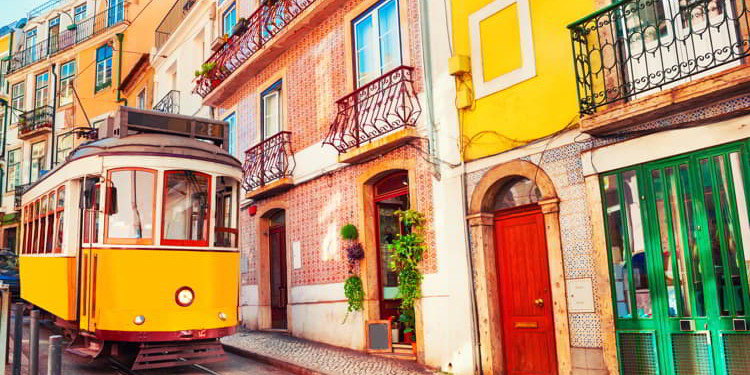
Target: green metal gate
pixel 675 234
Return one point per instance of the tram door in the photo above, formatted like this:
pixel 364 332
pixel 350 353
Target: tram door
pixel 89 260
pixel 698 213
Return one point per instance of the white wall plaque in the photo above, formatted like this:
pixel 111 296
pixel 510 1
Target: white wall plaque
pixel 296 255
pixel 580 296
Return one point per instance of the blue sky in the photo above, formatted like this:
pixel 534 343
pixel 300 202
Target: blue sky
pixel 12 10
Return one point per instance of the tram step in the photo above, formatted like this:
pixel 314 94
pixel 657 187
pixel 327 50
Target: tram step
pixel 86 347
pixel 152 356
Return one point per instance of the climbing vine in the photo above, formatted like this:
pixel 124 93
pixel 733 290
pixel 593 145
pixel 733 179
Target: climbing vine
pixel 354 293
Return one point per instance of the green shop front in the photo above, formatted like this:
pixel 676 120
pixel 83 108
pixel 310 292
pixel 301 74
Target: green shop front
pixel 678 240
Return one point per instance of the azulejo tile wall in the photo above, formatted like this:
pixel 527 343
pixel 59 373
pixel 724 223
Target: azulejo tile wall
pixel 564 166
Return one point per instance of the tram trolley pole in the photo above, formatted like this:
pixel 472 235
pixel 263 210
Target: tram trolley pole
pixel 17 337
pixel 54 361
pixel 34 343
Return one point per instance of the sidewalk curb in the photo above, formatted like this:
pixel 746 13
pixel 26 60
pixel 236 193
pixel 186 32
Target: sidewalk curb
pixel 295 369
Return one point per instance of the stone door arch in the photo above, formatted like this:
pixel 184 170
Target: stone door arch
pixel 481 223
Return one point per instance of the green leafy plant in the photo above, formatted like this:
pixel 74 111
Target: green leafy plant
pixel 354 293
pixel 205 69
pixel 349 232
pixel 407 251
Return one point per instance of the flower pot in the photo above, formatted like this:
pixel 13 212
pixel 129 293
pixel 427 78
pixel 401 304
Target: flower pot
pixel 409 337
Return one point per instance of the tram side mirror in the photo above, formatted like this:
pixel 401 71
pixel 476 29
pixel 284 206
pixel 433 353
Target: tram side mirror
pixel 111 205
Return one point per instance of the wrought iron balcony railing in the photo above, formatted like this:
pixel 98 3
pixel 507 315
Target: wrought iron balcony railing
pixel 172 20
pixel 375 109
pixel 20 189
pixel 633 47
pixel 36 119
pixel 170 103
pixel 83 31
pixel 259 29
pixel 268 161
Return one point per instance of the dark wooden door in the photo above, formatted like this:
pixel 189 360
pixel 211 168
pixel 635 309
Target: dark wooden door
pixel 525 297
pixel 277 246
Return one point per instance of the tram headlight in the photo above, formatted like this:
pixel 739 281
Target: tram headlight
pixel 222 316
pixel 184 296
pixel 140 319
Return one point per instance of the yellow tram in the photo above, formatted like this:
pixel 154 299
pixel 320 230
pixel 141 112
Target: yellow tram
pixel 133 240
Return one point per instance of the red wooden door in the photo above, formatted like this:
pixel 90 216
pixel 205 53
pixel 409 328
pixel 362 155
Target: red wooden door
pixel 525 297
pixel 278 277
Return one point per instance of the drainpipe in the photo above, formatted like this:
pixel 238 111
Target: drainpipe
pixel 53 143
pixel 120 99
pixel 435 156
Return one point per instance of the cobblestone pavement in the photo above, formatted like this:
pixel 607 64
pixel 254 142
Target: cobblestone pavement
pixel 320 357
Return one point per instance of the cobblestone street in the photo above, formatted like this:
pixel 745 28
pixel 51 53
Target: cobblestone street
pixel 317 357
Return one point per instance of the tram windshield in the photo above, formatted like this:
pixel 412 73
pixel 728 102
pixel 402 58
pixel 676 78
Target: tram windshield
pixel 131 206
pixel 186 207
pixel 226 208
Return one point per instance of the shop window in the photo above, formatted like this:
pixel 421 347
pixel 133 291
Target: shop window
pixel 186 208
pixel 129 206
pixel 226 212
pixel 377 41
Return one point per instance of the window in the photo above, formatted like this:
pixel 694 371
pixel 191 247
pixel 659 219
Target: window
pixel 232 120
pixel 18 97
pixel 14 169
pixel 103 67
pixel 186 208
pixel 59 215
pixel 377 41
pixel 271 110
pixel 53 35
pixel 80 13
pixel 230 19
pixel 30 52
pixel 50 214
pixel 67 75
pixel 91 218
pixel 141 99
pixel 41 94
pixel 130 206
pixel 64 147
pixel 116 12
pixel 38 154
pixel 226 208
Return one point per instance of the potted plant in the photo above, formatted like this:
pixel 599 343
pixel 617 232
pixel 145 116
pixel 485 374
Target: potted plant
pixel 353 290
pixel 407 251
pixel 240 27
pixel 205 69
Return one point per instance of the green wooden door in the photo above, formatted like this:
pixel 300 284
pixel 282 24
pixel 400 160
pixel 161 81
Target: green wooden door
pixel 693 220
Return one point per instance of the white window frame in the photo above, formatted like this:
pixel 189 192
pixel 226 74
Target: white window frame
pixel 375 42
pixel 18 169
pixel 231 8
pixel 41 91
pixel 42 160
pixel 103 71
pixel 17 101
pixel 140 101
pixel 275 93
pixel 67 81
pixel 526 71
pixel 59 157
pixel 80 13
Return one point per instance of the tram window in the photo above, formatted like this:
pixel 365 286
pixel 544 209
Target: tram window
pixel 42 225
pixel 60 211
pixel 50 223
pixel 186 208
pixel 130 206
pixel 90 203
pixel 226 228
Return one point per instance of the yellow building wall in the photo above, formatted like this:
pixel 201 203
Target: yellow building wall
pixel 4 44
pixel 136 282
pixel 531 109
pixel 50 283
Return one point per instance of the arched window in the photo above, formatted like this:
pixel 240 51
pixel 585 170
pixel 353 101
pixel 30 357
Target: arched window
pixel 519 191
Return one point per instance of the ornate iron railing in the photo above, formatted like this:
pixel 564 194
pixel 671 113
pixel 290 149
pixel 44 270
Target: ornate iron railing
pixel 375 109
pixel 44 8
pixel 170 103
pixel 268 161
pixel 259 29
pixel 635 46
pixel 20 189
pixel 35 119
pixel 172 20
pixel 83 31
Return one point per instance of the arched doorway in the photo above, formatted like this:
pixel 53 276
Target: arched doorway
pixel 515 234
pixel 278 269
pixel 528 335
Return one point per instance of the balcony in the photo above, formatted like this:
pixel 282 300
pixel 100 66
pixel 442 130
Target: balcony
pixel 268 167
pixel 170 103
pixel 376 118
pixel 73 35
pixel 35 122
pixel 273 24
pixel 658 57
pixel 172 20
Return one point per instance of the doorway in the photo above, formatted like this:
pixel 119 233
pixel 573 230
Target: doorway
pixel 278 282
pixel 525 297
pixel 391 194
pixel 10 239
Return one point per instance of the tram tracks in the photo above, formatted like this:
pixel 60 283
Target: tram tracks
pixel 123 369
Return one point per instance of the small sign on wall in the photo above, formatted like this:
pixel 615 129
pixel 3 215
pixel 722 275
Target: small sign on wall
pixel 580 296
pixel 296 255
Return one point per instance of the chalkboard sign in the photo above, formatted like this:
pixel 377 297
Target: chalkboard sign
pixel 378 336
